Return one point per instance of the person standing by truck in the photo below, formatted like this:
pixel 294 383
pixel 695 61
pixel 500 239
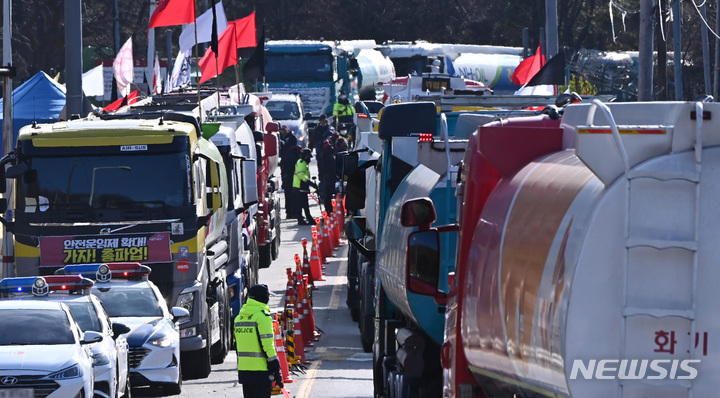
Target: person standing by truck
pixel 289 155
pixel 301 184
pixel 258 364
pixel 343 110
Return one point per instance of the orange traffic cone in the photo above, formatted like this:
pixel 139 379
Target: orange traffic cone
pixel 309 313
pixel 290 297
pixel 299 343
pixel 325 240
pixel 306 265
pixel 280 350
pixel 315 262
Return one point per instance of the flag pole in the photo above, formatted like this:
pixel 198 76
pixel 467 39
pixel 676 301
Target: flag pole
pixel 197 77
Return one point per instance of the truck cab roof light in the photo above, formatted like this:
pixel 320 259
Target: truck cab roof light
pixel 106 271
pixel 43 285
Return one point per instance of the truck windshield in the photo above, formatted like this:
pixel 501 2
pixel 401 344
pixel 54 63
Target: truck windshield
pixel 105 182
pixel 298 67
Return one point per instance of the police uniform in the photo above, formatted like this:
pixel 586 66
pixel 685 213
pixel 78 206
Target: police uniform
pixel 255 345
pixel 301 183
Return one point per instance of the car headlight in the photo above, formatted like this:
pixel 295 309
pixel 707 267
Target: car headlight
pixel 100 359
pixel 162 341
pixel 67 373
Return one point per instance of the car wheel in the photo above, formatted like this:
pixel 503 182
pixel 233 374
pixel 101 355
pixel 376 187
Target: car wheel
pixel 174 388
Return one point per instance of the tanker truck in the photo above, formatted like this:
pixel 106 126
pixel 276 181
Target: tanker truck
pixel 586 257
pixel 413 161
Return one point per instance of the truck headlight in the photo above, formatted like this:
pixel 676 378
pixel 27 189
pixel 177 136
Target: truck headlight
pixel 67 373
pixel 188 332
pixel 185 300
pixel 100 359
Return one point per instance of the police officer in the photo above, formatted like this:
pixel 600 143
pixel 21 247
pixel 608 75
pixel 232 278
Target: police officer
pixel 343 109
pixel 301 187
pixel 258 364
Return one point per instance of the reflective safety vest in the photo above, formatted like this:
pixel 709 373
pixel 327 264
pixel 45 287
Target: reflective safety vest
pixel 302 173
pixel 343 110
pixel 254 336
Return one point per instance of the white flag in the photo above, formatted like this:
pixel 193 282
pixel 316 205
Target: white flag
pixel 180 73
pixel 157 78
pixel 123 67
pixel 93 83
pixel 204 28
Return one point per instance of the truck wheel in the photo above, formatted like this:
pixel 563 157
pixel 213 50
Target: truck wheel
pixel 196 364
pixel 265 256
pixel 275 251
pixel 353 299
pixel 220 349
pixel 367 311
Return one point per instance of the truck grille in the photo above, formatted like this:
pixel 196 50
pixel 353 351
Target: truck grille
pixel 136 355
pixel 42 388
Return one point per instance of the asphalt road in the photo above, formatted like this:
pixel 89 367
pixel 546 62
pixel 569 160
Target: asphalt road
pixel 339 367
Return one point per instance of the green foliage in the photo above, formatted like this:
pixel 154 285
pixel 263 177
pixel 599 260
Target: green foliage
pixel 580 86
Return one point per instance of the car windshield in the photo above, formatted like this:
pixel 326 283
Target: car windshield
pixel 129 302
pixel 283 110
pixel 33 327
pixel 85 315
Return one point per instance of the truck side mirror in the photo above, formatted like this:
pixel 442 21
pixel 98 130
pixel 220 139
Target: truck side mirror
pixel 423 262
pixel 418 212
pixel 16 170
pixel 272 127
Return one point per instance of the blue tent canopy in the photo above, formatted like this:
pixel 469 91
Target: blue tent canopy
pixel 39 99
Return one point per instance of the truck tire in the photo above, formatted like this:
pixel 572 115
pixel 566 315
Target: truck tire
pixel 353 298
pixel 196 364
pixel 221 348
pixel 251 270
pixel 366 321
pixel 265 255
pixel 275 251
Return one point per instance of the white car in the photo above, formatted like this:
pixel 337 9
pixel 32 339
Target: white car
pixel 288 110
pixel 154 340
pixel 110 356
pixel 43 353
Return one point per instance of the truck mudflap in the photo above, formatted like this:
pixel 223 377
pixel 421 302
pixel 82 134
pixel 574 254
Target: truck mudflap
pixel 215 323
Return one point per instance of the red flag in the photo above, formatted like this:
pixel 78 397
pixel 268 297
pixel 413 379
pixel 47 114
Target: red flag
pixel 173 12
pixel 120 102
pixel 528 68
pixel 245 31
pixel 211 64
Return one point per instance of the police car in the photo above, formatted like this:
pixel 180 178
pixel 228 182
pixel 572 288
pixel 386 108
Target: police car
pixel 43 353
pixel 130 298
pixel 109 356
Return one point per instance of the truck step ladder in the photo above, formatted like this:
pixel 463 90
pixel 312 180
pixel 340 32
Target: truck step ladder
pixel 642 185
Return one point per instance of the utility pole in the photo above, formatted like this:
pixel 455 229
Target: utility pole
pixel 677 48
pixel 645 45
pixel 73 57
pixel 551 46
pixel 8 72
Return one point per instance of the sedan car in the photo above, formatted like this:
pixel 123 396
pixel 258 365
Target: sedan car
pixel 110 356
pixel 154 340
pixel 43 353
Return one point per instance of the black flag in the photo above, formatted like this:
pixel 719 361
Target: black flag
pixel 214 35
pixel 254 68
pixel 553 72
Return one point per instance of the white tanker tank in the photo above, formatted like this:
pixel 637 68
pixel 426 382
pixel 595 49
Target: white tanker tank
pixel 588 256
